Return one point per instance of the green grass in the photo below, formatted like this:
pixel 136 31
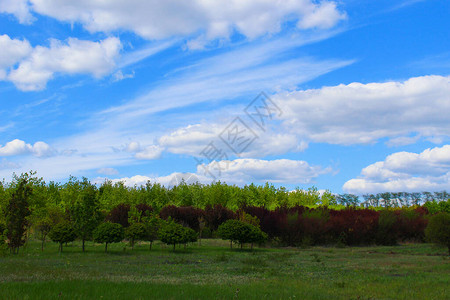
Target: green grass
pixel 213 271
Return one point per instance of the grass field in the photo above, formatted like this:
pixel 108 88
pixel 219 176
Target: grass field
pixel 213 271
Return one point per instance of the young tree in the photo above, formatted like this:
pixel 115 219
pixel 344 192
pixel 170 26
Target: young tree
pixel 152 224
pixel 62 233
pixel 241 232
pixel 135 232
pixel 108 233
pixel 86 211
pixel 173 233
pixel 438 230
pixel 17 212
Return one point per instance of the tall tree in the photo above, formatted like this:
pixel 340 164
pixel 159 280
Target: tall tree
pixel 17 212
pixel 86 211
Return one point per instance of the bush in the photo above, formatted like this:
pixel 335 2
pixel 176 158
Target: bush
pixel 108 233
pixel 216 215
pixel 387 232
pixel 62 233
pixel 135 232
pixel 241 232
pixel 186 215
pixel 173 233
pixel 438 230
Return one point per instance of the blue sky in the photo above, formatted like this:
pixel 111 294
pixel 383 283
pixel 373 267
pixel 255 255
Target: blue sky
pixel 355 94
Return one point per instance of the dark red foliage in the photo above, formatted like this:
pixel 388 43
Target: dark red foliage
pixel 119 214
pixel 145 209
pixel 353 226
pixel 185 215
pixel 411 225
pixel 216 215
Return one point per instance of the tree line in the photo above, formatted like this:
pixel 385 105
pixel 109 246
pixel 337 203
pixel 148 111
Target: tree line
pixel 82 210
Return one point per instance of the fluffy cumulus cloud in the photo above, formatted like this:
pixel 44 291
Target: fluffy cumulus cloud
pixel 239 171
pixel 363 113
pixel 405 171
pixel 12 51
pixel 19 8
pixel 19 147
pixel 73 56
pixel 209 19
pixel 194 139
pixel 149 152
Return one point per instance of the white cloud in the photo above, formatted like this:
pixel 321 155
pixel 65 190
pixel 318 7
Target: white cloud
pixel 405 171
pixel 19 8
pixel 149 152
pixel 71 57
pixel 193 139
pixel 107 171
pixel 18 147
pixel 240 171
pixel 363 113
pixel 13 50
pixel 119 76
pixel 211 19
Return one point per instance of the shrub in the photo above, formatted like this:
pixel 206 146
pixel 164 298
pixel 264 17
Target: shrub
pixel 438 230
pixel 241 232
pixel 185 215
pixel 62 233
pixel 173 233
pixel 108 233
pixel 119 215
pixel 387 232
pixel 216 215
pixel 135 232
pixel 411 224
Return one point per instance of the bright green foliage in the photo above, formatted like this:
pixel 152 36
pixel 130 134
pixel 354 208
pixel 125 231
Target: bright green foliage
pixel 435 206
pixel 241 232
pixel 108 233
pixel 62 233
pixel 173 233
pixel 86 211
pixel 136 232
pixel 17 212
pixel 43 226
pixel 438 230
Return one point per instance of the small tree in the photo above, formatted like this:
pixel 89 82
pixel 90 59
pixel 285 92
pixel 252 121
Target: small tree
pixel 62 233
pixel 135 232
pixel 241 232
pixel 173 233
pixel 44 226
pixel 16 215
pixel 152 225
pixel 108 233
pixel 438 230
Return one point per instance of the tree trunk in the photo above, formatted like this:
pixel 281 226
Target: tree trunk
pixel 106 247
pixel 231 244
pixel 151 245
pixel 61 247
pixel 174 247
pixel 242 245
pixel 83 244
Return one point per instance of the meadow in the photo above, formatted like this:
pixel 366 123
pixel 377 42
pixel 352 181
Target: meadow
pixel 213 270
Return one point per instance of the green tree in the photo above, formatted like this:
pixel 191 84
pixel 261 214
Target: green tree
pixel 108 233
pixel 62 233
pixel 173 233
pixel 240 232
pixel 152 224
pixel 86 211
pixel 17 212
pixel 135 232
pixel 438 230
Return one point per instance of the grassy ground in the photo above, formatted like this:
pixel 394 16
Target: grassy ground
pixel 213 271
